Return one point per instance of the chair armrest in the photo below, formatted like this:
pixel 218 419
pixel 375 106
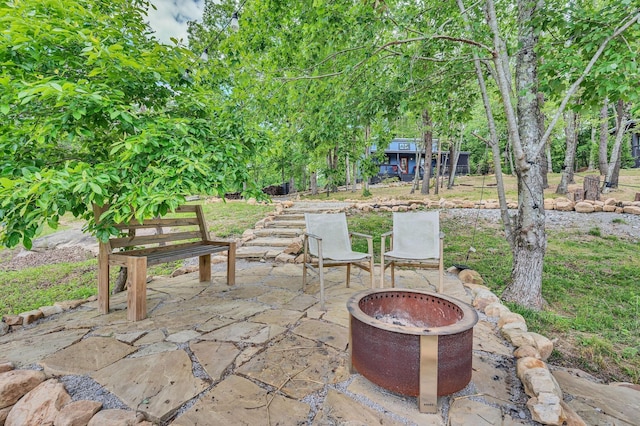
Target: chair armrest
pixel 442 235
pixel 315 237
pixel 386 234
pixel 358 234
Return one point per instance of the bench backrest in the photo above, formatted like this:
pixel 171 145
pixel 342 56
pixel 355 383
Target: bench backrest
pixel 187 225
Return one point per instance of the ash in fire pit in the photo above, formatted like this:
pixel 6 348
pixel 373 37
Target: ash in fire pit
pixel 412 342
pixel 401 320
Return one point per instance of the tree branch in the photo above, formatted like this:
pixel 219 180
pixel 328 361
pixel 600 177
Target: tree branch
pixel 574 87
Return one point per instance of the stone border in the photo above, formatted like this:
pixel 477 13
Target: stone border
pixel 546 403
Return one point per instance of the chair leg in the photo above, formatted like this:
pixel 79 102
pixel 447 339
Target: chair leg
pixel 321 273
pixel 393 274
pixel 371 271
pixel 348 274
pixel 382 268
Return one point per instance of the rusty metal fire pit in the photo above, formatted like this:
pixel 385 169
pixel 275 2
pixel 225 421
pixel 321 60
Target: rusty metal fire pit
pixel 412 342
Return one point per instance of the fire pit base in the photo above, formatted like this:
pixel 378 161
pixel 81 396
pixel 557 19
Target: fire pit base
pixel 412 342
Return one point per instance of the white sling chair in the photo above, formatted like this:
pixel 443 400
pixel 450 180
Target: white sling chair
pixel 327 242
pixel 416 241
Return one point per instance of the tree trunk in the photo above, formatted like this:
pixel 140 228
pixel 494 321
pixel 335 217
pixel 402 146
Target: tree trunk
pixel 436 187
pixel 604 139
pixel 454 155
pixel 121 281
pixel 592 162
pixel 314 183
pixel 571 136
pixel 542 158
pixel 494 143
pixel 529 239
pixel 347 173
pixel 416 174
pixel 427 140
pixel 547 150
pixel 613 168
pixel 367 154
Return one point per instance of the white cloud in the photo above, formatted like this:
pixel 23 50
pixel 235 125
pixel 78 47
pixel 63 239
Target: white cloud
pixel 170 18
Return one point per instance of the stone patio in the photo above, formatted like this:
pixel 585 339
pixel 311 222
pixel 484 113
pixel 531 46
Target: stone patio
pixel 262 353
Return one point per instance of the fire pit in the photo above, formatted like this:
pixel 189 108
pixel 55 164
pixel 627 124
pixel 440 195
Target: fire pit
pixel 412 342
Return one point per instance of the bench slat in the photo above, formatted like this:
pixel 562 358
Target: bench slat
pixel 163 222
pixel 152 239
pixel 169 253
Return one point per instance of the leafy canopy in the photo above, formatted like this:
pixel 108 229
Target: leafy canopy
pixel 94 111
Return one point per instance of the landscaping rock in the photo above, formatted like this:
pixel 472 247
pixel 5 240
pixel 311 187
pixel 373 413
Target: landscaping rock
pixel 4 328
pixel 77 413
pixel 584 207
pixel 12 320
pixel 6 366
pixel 113 417
pixel 469 276
pixel 31 316
pixel 15 384
pixel 546 409
pixel 40 406
pixel 47 311
pixel 632 210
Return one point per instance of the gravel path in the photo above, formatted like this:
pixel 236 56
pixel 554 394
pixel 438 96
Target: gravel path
pixel 625 226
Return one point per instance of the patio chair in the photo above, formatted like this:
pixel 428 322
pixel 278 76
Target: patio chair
pixel 416 241
pixel 327 242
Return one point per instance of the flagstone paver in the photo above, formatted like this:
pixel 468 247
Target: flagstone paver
pixel 23 352
pixel 329 334
pixel 155 384
pixel 86 356
pixel 297 366
pixel 215 357
pixel 339 409
pixel 399 405
pixel 238 401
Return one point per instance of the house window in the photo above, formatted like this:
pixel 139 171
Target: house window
pixel 403 146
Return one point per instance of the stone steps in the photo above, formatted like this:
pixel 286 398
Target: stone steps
pixel 285 229
pixel 270 242
pixel 286 223
pixel 278 232
pixel 257 252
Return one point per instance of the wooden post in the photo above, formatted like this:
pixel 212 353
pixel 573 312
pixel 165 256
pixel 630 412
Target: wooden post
pixel 137 293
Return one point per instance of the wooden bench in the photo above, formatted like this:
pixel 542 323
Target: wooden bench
pixel 178 238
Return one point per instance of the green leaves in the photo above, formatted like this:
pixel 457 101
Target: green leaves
pixel 95 112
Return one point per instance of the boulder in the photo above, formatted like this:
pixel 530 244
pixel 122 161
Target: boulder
pixel 631 210
pixel 584 207
pixel 77 413
pixel 526 351
pixel 546 409
pixel 565 206
pixel 113 417
pixel 31 316
pixel 469 276
pixel 40 406
pixel 609 208
pixel 484 298
pixel 495 309
pixel 12 319
pixel 509 317
pixel 610 202
pixel 14 384
pixel 6 366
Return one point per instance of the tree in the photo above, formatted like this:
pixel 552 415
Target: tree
pixel 96 112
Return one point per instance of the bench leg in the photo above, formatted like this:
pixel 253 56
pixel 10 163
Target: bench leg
pixel 137 293
pixel 231 264
pixel 205 267
pixel 103 279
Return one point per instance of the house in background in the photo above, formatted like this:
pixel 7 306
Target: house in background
pixel 403 153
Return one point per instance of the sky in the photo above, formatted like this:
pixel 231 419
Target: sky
pixel 171 17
